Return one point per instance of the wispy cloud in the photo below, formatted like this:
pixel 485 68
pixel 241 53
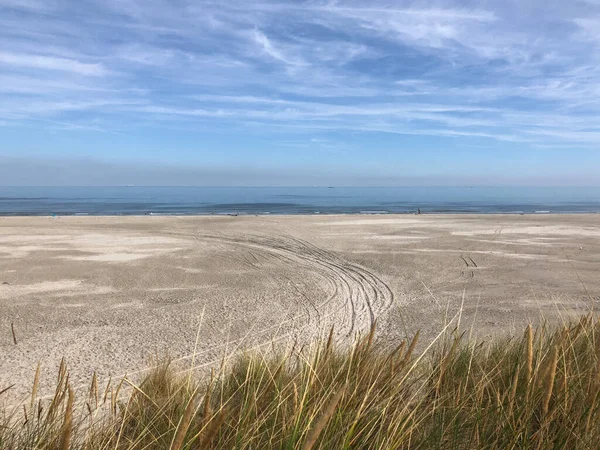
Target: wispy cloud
pixel 38 5
pixel 51 63
pixel 269 49
pixel 527 74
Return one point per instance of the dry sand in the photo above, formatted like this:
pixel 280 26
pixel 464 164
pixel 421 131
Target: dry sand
pixel 111 294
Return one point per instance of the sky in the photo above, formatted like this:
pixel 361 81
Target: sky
pixel 175 92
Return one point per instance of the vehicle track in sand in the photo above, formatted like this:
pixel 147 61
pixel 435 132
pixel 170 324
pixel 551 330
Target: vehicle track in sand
pixel 356 295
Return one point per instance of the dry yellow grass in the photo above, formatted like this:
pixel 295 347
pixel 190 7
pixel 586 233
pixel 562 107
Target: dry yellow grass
pixel 540 391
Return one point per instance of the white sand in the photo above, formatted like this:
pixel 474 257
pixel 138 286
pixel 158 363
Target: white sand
pixel 111 293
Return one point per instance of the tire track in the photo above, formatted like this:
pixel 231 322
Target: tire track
pixel 355 288
pixel 356 298
pixel 367 295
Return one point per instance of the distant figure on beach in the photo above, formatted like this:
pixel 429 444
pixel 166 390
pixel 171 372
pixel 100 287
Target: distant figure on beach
pixel 419 211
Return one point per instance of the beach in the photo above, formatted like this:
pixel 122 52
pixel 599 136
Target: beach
pixel 113 295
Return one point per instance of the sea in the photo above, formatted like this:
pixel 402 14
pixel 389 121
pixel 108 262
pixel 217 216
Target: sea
pixel 138 200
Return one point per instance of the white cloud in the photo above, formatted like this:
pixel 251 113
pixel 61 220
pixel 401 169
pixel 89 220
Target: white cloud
pixel 589 28
pixel 51 63
pixel 457 71
pixel 31 85
pixel 273 51
pixel 39 5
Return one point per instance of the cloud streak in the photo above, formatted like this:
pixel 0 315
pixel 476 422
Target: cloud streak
pixel 523 73
pixel 51 63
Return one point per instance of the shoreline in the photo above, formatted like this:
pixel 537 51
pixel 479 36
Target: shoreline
pixel 315 214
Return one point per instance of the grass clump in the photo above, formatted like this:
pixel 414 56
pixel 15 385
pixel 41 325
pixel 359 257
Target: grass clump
pixel 536 392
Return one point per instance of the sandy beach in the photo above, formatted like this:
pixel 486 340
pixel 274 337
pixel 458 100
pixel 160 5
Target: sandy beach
pixel 113 294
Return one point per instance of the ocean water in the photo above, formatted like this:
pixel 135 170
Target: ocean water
pixel 294 200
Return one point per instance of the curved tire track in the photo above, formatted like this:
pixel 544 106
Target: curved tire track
pixel 357 296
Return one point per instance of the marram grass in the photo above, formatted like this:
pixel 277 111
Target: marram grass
pixel 540 391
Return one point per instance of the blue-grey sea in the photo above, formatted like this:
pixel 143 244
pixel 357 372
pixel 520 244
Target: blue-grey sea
pixel 294 200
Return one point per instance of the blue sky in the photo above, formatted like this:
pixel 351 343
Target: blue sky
pixel 300 92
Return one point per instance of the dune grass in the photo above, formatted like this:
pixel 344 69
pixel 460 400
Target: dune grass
pixel 536 392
